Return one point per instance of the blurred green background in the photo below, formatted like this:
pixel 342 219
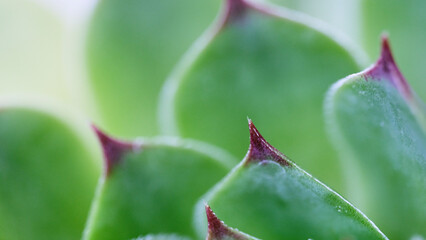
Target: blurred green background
pixel 107 59
pixel 44 49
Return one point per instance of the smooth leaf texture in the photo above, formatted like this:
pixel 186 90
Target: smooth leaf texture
pixel 269 197
pixel 217 230
pixel 47 177
pixel 151 187
pixel 404 21
pixel 374 118
pixel 132 46
pixel 267 63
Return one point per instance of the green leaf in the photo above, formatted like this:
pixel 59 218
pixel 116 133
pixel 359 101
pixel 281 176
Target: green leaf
pixel 375 118
pixel 47 176
pixel 265 62
pixel 151 187
pixel 404 21
pixel 268 196
pixel 217 230
pixel 132 46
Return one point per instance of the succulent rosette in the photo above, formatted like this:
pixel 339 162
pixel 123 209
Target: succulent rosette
pixel 163 151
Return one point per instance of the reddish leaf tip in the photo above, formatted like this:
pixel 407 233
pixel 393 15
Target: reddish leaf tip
pixel 386 52
pixel 261 150
pixel 217 229
pixel 234 9
pixel 386 67
pixel 113 149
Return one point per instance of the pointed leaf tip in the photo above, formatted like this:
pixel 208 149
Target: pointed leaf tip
pixel 234 9
pixel 260 149
pixel 218 230
pixel 386 52
pixel 386 67
pixel 112 149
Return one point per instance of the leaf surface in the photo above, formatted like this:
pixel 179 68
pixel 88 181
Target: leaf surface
pixel 47 176
pixel 261 61
pixel 269 197
pixel 132 46
pixel 151 187
pixel 378 123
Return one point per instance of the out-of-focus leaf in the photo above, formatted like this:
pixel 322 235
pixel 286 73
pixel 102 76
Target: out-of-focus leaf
pixel 217 230
pixel 376 122
pixel 47 177
pixel 132 46
pixel 405 21
pixel 41 48
pixel 31 53
pixel 151 187
pixel 269 197
pixel 261 61
pixel 342 16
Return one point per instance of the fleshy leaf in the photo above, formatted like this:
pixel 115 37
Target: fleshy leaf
pixel 270 197
pixel 217 230
pixel 151 186
pixel 404 21
pixel 113 149
pixel 132 47
pixel 266 62
pixel 375 120
pixel 47 176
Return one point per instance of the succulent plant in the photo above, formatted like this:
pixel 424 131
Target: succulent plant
pixel 390 159
pixel 249 50
pixel 358 144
